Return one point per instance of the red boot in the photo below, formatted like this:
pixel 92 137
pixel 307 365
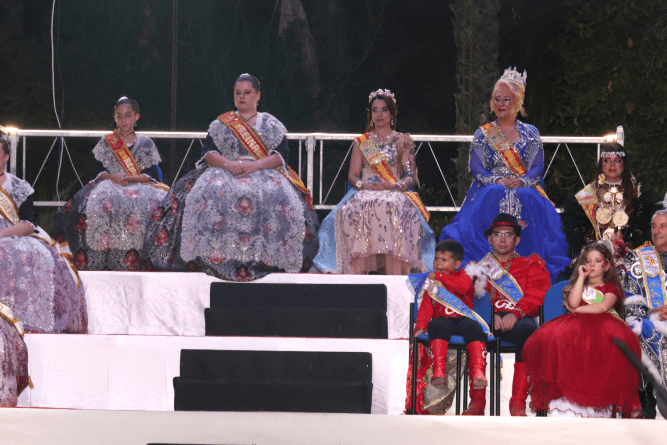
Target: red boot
pixel 519 391
pixel 477 377
pixel 477 364
pixel 439 351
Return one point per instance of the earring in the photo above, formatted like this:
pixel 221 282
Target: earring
pixel 135 124
pixel 392 122
pixel 372 124
pixel 601 179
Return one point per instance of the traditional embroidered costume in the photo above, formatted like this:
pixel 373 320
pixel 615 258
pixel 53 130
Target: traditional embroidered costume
pixel 237 228
pixel 369 229
pixel 492 157
pixel 602 210
pixel 446 310
pixel 105 223
pixel 517 286
pixel 13 357
pixel 575 369
pixel 38 282
pixel 645 290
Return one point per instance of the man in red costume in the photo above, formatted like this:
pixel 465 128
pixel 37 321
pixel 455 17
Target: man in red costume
pixel 517 286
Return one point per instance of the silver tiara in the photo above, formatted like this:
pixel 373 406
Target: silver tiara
pixel 382 92
pixel 513 75
pixel 123 98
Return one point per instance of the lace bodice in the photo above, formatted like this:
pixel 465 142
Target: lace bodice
pixel 270 129
pixel 399 152
pixel 487 166
pixel 144 151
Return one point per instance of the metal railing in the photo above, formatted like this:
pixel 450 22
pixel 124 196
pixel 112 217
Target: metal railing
pixel 308 141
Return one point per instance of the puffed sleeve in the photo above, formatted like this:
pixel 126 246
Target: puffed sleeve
pixel 476 163
pixel 283 150
pixel 208 146
pixel 535 286
pixel 425 312
pixel 535 158
pixel 27 210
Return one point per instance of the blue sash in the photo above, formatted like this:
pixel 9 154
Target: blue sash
pixel 503 282
pixel 421 284
pixel 654 277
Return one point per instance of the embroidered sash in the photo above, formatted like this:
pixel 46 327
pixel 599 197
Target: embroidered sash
pixel 441 295
pixel 255 145
pixel 9 211
pixel 508 289
pixel 654 277
pixel 588 201
pixel 507 153
pixel 374 158
pixel 126 160
pixel 591 295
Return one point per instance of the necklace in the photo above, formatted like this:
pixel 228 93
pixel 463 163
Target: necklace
pixel 508 263
pixel 383 138
pixel 249 119
pixel 125 136
pixel 2 174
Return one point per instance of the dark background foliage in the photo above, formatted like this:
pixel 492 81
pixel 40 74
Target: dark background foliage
pixel 592 65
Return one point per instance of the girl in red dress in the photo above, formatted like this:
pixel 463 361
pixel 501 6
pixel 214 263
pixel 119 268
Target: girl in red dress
pixel 572 365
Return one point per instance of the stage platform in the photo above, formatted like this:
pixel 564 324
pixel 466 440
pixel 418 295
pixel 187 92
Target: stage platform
pixel 75 427
pixel 173 303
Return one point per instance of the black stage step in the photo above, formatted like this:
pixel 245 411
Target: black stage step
pixel 329 323
pixel 290 295
pixel 295 381
pixel 297 310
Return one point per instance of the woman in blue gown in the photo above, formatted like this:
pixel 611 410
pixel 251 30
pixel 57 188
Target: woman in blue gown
pixel 507 164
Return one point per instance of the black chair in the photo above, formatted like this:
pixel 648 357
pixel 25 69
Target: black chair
pixel 480 305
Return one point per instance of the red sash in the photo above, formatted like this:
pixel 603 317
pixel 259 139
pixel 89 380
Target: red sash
pixel 507 153
pixel 126 159
pixel 374 159
pixel 255 145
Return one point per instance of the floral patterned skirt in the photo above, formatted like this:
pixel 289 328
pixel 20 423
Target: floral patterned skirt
pixel 14 362
pixel 377 229
pixel 105 224
pixel 236 228
pixel 39 286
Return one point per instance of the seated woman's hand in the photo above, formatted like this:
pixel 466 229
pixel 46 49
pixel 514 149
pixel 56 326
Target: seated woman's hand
pixel 119 180
pixel 419 332
pixel 249 167
pixel 512 183
pixel 235 168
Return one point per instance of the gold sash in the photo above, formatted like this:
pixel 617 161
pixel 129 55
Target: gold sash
pixel 125 158
pixel 507 153
pixel 588 201
pixel 251 141
pixel 374 158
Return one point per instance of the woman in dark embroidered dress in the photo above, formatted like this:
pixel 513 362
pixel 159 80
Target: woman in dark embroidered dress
pixel 237 216
pixel 105 222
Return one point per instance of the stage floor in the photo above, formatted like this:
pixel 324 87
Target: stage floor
pixel 75 427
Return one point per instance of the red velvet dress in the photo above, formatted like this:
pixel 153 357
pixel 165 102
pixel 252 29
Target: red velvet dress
pixel 573 366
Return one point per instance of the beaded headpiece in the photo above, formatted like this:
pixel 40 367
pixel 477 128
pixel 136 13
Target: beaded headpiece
pixel 382 92
pixel 609 154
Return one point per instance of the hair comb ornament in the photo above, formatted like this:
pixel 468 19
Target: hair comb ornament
pixel 382 92
pixel 513 75
pixel 123 98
